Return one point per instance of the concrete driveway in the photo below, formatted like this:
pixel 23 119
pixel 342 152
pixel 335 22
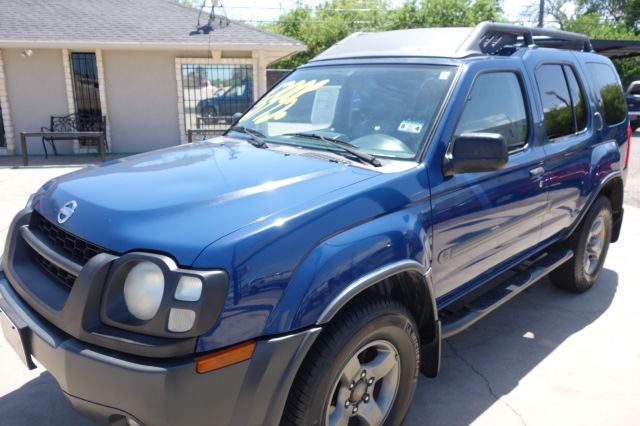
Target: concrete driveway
pixel 546 358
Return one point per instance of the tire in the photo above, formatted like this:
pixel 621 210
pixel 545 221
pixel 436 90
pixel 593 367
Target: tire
pixel 590 244
pixel 210 112
pixel 341 367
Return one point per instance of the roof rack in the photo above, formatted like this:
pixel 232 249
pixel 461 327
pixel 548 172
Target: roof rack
pixel 490 37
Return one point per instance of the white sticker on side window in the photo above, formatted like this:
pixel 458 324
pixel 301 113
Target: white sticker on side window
pixel 410 126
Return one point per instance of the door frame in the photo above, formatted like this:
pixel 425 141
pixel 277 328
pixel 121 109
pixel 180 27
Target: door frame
pixel 66 62
pixel 6 113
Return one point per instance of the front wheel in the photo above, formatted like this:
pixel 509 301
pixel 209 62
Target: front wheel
pixel 590 245
pixel 362 370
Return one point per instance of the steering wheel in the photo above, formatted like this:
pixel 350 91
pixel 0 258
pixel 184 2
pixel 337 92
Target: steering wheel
pixel 382 142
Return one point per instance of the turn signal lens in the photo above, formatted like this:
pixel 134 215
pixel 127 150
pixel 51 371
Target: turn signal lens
pixel 225 357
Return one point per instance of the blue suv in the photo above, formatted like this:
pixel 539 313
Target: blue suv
pixel 304 268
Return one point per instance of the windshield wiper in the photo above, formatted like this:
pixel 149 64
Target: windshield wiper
pixel 255 137
pixel 363 156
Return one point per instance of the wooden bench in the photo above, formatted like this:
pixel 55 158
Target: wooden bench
pixel 62 126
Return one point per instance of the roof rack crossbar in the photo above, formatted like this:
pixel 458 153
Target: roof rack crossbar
pixel 472 43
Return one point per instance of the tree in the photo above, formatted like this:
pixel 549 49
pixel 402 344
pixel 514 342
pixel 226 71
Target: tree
pixel 190 3
pixel 333 20
pixel 599 19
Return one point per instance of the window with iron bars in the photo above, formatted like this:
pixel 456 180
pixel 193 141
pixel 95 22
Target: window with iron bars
pixel 86 93
pixel 213 93
pixel 3 137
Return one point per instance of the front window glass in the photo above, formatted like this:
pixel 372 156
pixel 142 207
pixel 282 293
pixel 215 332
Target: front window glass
pixel 496 105
pixel 383 110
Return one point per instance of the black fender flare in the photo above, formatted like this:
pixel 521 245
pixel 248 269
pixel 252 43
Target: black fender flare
pixel 431 350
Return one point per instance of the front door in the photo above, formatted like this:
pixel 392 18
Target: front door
pixel 483 220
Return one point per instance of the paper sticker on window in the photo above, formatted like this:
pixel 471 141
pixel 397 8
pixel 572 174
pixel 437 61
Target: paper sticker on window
pixel 324 104
pixel 410 126
pixel 444 75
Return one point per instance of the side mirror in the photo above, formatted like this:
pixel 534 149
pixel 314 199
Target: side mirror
pixel 235 118
pixel 476 152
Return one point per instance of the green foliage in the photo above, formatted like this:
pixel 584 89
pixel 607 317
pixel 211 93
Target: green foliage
pixel 333 20
pixel 609 19
pixel 190 3
pixel 559 121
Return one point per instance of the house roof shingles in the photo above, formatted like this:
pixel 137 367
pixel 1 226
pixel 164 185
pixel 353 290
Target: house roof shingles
pixel 114 22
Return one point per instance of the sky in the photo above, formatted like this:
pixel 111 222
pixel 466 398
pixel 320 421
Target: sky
pixel 267 10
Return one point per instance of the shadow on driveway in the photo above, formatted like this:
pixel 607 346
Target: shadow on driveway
pixel 38 402
pixel 487 361
pixel 479 366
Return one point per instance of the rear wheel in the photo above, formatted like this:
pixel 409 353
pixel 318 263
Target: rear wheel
pixel 362 370
pixel 590 244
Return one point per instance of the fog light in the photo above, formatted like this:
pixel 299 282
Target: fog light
pixel 189 289
pixel 181 320
pixel 143 289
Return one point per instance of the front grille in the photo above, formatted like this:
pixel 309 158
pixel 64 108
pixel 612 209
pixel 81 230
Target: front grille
pixel 73 247
pixel 62 276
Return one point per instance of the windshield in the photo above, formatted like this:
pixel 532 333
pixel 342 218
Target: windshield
pixel 383 110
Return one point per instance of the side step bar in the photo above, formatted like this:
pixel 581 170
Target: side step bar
pixel 493 299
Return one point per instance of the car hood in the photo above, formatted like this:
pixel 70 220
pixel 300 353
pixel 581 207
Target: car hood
pixel 179 200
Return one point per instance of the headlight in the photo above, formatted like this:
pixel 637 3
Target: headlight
pixel 149 294
pixel 143 290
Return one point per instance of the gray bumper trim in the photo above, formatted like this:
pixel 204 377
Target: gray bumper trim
pixel 106 385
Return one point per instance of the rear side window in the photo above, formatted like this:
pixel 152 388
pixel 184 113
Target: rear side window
pixel 563 101
pixel 556 101
pixel 611 99
pixel 577 99
pixel 496 105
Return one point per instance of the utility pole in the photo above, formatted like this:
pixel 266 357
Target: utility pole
pixel 541 14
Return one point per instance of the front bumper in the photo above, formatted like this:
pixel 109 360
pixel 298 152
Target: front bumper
pixel 109 386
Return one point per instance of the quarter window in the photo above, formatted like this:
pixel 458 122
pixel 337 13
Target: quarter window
pixel 496 105
pixel 610 97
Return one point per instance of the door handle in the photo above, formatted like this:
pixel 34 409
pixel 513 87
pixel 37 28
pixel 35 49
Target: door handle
pixel 537 172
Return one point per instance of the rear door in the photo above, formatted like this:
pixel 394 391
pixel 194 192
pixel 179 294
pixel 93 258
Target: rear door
pixel 482 220
pixel 569 140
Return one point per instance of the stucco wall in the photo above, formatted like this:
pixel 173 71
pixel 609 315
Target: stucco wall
pixel 36 91
pixel 142 99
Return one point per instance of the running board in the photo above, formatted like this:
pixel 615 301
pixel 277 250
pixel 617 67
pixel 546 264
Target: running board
pixel 493 299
